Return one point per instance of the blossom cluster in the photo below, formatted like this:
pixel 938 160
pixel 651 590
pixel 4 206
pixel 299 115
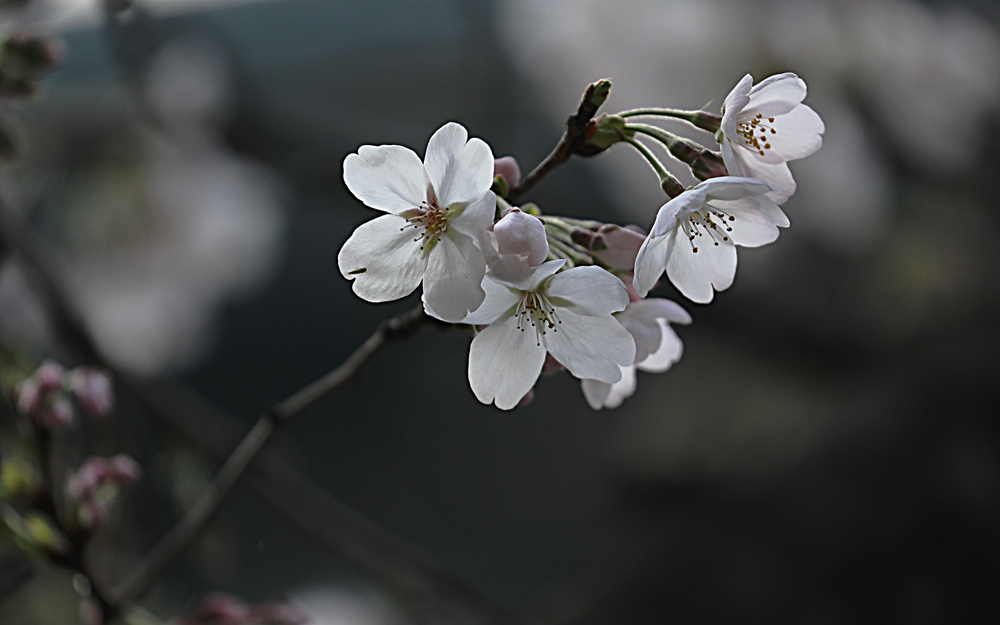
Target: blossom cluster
pixel 47 395
pixel 545 292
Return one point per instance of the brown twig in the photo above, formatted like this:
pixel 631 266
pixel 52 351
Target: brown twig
pixel 145 572
pixel 571 141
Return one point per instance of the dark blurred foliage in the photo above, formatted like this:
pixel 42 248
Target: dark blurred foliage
pixel 827 450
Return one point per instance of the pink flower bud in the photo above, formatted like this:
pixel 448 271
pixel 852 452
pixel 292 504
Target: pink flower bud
pixel 280 612
pixel 92 388
pixel 522 235
pixel 124 470
pixel 219 609
pixel 57 414
pixel 551 365
pixel 28 396
pixel 528 398
pixel 87 479
pixel 50 376
pixel 508 168
pixel 617 247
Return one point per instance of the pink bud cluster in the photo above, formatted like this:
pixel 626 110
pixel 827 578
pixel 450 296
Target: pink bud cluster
pixel 225 609
pixel 47 395
pixel 93 486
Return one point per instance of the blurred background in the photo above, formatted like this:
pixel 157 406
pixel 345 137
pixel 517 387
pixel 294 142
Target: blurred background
pixel 824 452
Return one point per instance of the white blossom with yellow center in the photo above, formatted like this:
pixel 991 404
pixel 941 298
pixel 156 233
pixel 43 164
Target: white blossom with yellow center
pixel 437 210
pixel 765 126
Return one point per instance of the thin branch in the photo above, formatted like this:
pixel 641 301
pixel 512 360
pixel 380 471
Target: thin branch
pixel 571 141
pixel 379 551
pixel 145 572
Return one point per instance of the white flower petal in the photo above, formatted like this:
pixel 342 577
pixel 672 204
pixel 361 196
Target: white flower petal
pixel 670 351
pixel 775 95
pixel 756 220
pixel 651 261
pixel 798 134
pixel 642 320
pixel 695 273
pixel 382 259
pixel 733 188
pixel 536 275
pixel 504 363
pixel 734 104
pixel 595 392
pixel 603 395
pixel 452 282
pixel 590 347
pixel 461 172
pixel 390 178
pixel 745 163
pixel 588 290
pixel 500 298
pixel 476 218
pixel 676 209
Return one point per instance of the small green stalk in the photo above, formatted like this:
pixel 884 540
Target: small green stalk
pixel 670 185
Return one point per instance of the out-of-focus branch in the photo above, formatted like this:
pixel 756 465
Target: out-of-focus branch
pixel 197 517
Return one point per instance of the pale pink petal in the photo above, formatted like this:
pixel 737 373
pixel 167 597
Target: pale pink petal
pixel 734 104
pixel 523 235
pixel 590 347
pixel 390 178
pixel 588 291
pixel 383 259
pixel 536 275
pixel 504 363
pixel 460 169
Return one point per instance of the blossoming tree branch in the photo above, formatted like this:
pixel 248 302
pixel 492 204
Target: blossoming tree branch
pixel 544 292
pixel 540 293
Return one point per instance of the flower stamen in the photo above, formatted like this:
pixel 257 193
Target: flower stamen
pixel 536 310
pixel 430 222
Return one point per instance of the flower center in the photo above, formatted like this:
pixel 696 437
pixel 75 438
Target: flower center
pixel 536 311
pixel 748 128
pixel 713 222
pixel 430 221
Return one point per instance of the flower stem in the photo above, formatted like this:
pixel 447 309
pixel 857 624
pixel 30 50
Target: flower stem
pixel 699 119
pixel 670 185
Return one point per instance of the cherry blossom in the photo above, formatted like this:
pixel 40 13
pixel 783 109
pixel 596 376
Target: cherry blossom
pixel 436 211
pixel 657 347
pixel 567 314
pixel 765 126
pixel 695 235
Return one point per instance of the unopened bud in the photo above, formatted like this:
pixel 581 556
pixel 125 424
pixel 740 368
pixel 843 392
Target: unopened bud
pixel 219 609
pixel 92 388
pixel 507 167
pixel 57 413
pixel 706 121
pixel 50 376
pixel 28 396
pixel 124 470
pixel 601 134
pixel 582 237
pixel 708 164
pixel 617 247
pixel 522 235
pixel 597 93
pixel 279 612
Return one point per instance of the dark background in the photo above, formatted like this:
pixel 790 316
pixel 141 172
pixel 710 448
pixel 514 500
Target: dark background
pixel 827 450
